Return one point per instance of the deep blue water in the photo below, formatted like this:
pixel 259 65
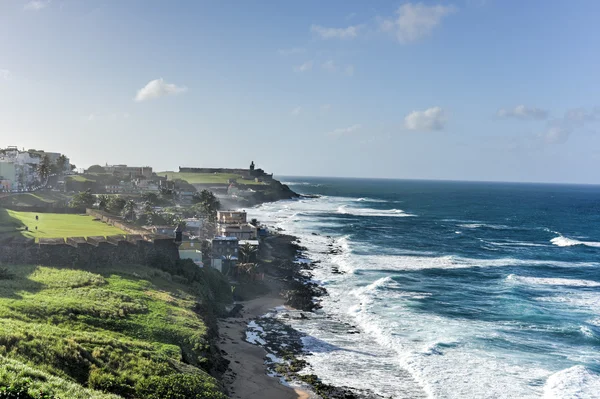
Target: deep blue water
pixel 458 289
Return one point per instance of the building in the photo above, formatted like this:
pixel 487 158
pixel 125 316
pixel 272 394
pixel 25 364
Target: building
pixel 129 171
pixel 8 172
pixel 241 231
pixel 193 254
pixel 194 225
pixel 162 230
pixel 231 217
pixel 146 186
pixel 224 253
pixel 234 224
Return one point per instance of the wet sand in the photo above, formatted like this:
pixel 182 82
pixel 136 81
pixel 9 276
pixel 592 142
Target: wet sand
pixel 247 378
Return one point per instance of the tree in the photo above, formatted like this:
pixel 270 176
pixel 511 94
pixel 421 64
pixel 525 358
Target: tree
pixel 116 204
pixel 248 252
pixel 129 210
pixel 103 201
pixel 209 204
pixel 84 199
pixel 151 198
pixel 61 163
pixel 96 169
pixel 44 168
pixel 254 222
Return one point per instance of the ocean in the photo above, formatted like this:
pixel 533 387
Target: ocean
pixel 450 289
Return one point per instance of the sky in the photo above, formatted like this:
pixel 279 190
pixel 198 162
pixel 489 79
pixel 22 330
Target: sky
pixel 464 90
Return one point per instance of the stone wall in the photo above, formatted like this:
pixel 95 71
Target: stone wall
pixel 112 250
pixel 118 222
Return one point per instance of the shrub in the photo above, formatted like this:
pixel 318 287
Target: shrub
pixel 110 383
pixel 179 386
pixel 20 390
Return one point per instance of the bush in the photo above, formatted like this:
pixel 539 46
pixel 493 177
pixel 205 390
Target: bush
pixel 20 390
pixel 109 383
pixel 179 386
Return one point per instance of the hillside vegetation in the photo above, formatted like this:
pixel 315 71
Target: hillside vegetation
pixel 114 332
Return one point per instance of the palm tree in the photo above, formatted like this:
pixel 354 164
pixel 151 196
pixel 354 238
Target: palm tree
pixel 129 210
pixel 248 252
pixel 103 201
pixel 44 169
pixel 61 163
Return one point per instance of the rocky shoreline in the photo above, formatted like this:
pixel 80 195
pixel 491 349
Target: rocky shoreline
pixel 288 273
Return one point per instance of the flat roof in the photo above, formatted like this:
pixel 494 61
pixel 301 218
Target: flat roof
pixel 224 238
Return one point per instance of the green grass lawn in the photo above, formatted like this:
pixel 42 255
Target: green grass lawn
pixel 206 178
pixel 105 333
pixel 53 225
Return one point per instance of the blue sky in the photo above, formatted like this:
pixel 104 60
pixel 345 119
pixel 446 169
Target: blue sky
pixel 464 90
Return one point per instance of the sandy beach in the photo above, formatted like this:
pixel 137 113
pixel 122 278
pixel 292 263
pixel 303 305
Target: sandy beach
pixel 246 377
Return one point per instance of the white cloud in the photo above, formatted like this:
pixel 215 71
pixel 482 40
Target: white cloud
pixel 325 107
pixel 307 66
pixel 36 5
pixel 349 71
pixel 329 65
pixel 344 131
pixel 556 133
pixel 558 130
pixel 296 111
pixel 523 112
pixel 581 115
pixel 158 88
pixel 291 51
pixel 335 33
pixel 5 74
pixel 415 21
pixel 430 119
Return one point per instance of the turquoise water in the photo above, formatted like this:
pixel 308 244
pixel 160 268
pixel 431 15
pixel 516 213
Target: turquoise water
pixel 451 289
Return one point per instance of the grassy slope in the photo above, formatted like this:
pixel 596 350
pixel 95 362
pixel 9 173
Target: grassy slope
pixel 122 330
pixel 54 225
pixel 206 178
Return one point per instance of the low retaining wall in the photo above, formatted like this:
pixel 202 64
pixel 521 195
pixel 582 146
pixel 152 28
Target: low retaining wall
pixel 117 222
pixel 45 209
pixel 113 250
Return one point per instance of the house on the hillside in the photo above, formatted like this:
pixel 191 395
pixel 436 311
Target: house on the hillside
pixel 224 253
pixel 235 224
pixel 231 217
pixel 129 171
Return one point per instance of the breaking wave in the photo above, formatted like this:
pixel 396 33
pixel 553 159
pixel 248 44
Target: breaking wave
pixel 346 210
pixel 562 241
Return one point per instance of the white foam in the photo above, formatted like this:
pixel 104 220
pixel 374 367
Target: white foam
pixel 585 300
pixel 271 358
pixel 489 226
pixel 509 243
pixel 369 200
pixel 254 338
pixel 553 281
pixel 346 210
pixel 254 334
pixel 569 242
pixel 576 382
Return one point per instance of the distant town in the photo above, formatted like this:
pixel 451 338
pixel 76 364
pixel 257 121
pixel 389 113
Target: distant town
pixel 198 208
